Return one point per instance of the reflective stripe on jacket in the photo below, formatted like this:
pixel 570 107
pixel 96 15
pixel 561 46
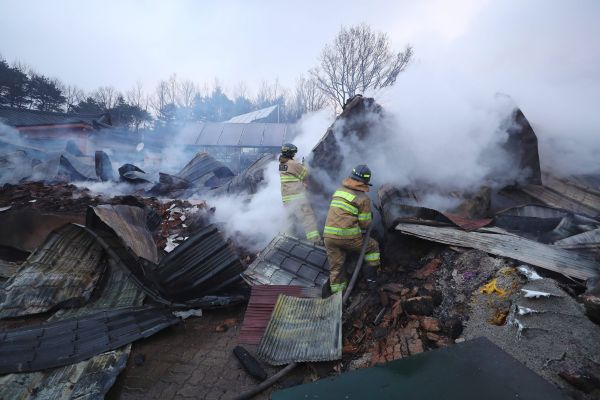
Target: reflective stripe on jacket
pixel 349 211
pixel 292 175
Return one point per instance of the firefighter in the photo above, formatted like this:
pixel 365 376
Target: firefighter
pixel 294 177
pixel 349 215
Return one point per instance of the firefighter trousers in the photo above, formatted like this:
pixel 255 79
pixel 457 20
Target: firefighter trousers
pixel 338 249
pixel 301 211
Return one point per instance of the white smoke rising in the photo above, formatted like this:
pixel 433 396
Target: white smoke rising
pixel 545 55
pixel 447 113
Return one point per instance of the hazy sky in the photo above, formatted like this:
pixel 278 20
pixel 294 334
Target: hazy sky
pixel 94 43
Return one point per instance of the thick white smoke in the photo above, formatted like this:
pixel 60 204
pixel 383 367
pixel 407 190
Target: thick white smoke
pixel 254 221
pixel 545 55
pixel 448 111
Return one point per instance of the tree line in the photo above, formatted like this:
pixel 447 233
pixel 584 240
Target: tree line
pixel 357 60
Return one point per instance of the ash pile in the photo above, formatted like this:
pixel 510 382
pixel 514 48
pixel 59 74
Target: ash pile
pixel 84 275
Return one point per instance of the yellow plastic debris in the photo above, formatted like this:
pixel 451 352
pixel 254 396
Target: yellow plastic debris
pixel 491 288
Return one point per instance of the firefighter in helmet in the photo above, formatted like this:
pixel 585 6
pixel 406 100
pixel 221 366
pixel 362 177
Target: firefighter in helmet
pixel 294 177
pixel 350 214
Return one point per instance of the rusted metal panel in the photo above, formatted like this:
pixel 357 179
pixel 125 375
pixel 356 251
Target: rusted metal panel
pixel 63 271
pixel 260 306
pixel 303 330
pixel 495 241
pixel 289 261
pixel 129 224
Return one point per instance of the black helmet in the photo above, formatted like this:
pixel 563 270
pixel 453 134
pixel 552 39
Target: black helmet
pixel 289 150
pixel 361 173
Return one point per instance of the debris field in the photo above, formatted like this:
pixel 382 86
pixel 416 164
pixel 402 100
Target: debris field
pixel 145 295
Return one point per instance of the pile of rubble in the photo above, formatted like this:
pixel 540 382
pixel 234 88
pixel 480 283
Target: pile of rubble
pixel 517 265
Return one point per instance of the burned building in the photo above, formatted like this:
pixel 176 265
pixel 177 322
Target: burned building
pixel 517 285
pixel 51 130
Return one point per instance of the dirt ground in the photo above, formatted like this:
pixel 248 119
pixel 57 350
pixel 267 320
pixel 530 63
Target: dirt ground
pixel 190 360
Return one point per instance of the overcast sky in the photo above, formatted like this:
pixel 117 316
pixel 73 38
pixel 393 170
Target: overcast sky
pixel 94 43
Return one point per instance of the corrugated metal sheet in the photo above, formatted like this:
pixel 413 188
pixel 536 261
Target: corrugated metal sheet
pixel 204 264
pixel 202 167
pixel 68 341
pixel 238 134
pixel 92 378
pixel 492 240
pixel 63 271
pixel 303 330
pixel 129 224
pixel 289 261
pixel 260 306
pixel 253 115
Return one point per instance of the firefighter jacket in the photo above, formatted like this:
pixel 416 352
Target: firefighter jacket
pixel 293 176
pixel 349 212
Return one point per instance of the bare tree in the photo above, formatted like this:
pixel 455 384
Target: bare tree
pixel 357 60
pixel 73 96
pixel 267 93
pixel 136 97
pixel 308 96
pixel 240 90
pixel 106 97
pixel 186 91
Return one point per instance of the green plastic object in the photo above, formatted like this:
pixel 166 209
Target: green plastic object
pixel 476 369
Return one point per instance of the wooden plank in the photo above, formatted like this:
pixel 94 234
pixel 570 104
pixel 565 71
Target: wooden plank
pixel 583 240
pixel 566 262
pixel 555 199
pixel 574 192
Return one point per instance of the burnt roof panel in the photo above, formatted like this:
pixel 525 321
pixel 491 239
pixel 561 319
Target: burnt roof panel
pixel 292 260
pixel 64 270
pixel 129 224
pixel 64 342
